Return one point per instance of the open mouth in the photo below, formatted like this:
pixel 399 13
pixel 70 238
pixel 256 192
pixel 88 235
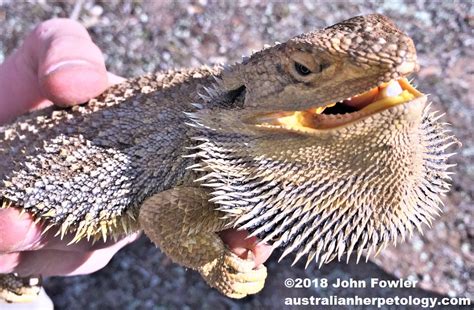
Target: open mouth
pixel 384 96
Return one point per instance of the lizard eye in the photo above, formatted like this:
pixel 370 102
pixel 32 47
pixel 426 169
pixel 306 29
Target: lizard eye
pixel 301 69
pixel 304 67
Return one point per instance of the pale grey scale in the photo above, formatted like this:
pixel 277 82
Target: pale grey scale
pixel 355 232
pixel 63 192
pixel 267 212
pixel 122 183
pixel 304 237
pixel 311 235
pixel 318 239
pixel 104 156
pixel 315 233
pixel 280 223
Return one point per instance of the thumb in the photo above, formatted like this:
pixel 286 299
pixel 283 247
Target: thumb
pixel 58 62
pixel 70 67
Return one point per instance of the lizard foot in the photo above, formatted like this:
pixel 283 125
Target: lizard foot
pixel 233 276
pixel 14 289
pixel 183 223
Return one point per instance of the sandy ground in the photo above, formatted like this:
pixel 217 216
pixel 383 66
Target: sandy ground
pixel 139 37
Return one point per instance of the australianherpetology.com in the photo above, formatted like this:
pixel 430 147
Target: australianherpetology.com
pixel 319 145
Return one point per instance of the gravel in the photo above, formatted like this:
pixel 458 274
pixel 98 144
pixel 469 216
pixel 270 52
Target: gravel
pixel 139 37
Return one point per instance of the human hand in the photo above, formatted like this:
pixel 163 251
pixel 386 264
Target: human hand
pixel 58 62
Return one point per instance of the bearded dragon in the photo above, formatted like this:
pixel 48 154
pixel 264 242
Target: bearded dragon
pixel 319 145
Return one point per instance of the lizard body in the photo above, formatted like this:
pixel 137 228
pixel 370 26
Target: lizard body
pixel 258 145
pixel 99 165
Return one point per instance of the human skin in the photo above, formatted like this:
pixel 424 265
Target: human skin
pixel 58 62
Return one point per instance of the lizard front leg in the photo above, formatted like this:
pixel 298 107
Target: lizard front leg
pixel 183 224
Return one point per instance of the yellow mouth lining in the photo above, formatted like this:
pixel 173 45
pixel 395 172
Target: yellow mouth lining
pixel 369 102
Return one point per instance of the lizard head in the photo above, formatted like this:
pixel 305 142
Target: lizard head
pixel 320 68
pixel 330 150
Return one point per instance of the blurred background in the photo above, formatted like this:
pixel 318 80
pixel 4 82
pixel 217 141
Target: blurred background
pixel 143 36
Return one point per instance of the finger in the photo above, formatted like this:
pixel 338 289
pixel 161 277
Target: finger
pixel 8 262
pixel 58 62
pixel 51 242
pixel 49 262
pixel 239 243
pixel 18 232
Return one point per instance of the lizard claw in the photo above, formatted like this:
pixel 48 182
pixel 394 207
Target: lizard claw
pixel 233 276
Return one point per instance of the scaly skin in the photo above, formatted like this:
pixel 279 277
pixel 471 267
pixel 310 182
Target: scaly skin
pixel 335 185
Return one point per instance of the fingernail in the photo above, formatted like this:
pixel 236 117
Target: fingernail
pixel 66 63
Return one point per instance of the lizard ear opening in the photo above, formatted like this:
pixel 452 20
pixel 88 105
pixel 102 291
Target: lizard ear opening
pixel 232 78
pixel 232 83
pixel 237 96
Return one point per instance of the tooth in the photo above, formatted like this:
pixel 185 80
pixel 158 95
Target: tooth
pixel 391 90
